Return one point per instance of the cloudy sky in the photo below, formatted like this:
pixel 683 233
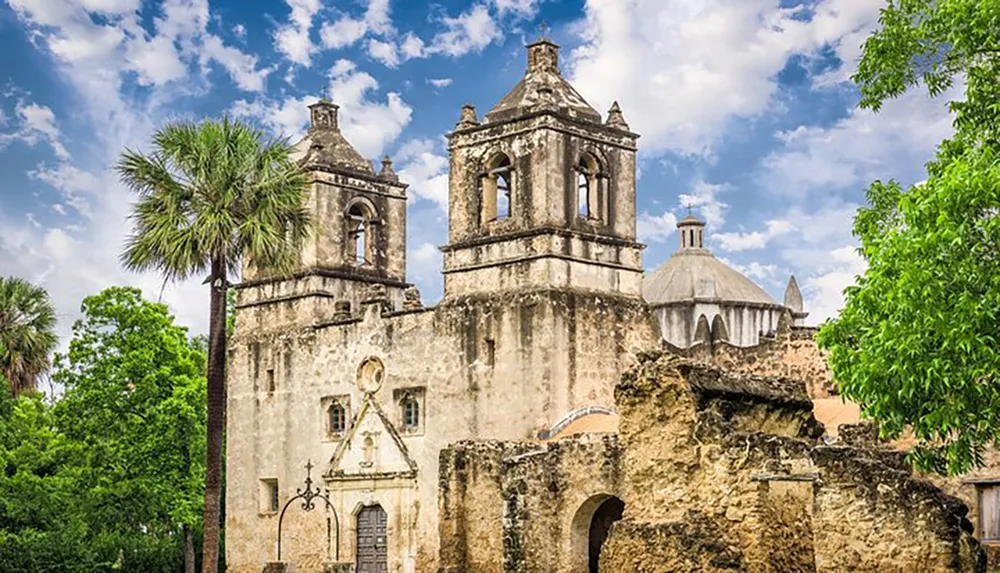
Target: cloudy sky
pixel 745 109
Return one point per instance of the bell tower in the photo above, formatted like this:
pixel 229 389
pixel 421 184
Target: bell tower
pixel 542 192
pixel 357 249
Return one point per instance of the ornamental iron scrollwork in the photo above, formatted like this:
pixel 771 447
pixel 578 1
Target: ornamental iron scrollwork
pixel 308 496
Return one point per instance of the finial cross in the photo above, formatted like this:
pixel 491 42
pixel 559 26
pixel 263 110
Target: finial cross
pixel 689 206
pixel 544 28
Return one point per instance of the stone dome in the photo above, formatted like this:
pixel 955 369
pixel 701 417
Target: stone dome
pixel 695 274
pixel 692 273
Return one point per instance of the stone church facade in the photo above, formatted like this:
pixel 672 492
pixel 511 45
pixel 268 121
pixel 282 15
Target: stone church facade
pixel 545 309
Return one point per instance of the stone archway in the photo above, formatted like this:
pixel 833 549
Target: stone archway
pixel 607 513
pixel 589 530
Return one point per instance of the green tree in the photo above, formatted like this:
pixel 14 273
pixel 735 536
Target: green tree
pixel 918 342
pixel 41 526
pixel 210 195
pixel 27 337
pixel 135 402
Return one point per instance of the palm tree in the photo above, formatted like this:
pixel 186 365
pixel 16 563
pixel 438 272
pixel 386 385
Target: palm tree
pixel 27 320
pixel 209 196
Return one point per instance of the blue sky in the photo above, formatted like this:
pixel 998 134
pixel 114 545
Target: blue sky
pixel 744 106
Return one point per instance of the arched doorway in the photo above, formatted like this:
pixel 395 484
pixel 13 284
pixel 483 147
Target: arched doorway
pixel 372 540
pixel 607 513
pixel 589 529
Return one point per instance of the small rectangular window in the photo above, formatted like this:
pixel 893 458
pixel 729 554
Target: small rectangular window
pixel 270 379
pixel 989 512
pixel 491 352
pixel 269 498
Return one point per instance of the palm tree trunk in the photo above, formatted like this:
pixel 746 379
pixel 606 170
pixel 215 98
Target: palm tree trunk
pixel 189 563
pixel 216 414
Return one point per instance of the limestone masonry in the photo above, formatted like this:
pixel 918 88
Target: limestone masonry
pixel 557 410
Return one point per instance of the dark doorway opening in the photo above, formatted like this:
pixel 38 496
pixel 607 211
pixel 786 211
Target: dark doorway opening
pixel 607 513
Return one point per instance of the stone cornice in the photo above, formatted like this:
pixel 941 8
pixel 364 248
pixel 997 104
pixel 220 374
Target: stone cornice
pixel 584 126
pixel 558 231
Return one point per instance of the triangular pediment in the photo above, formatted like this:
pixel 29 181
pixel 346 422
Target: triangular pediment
pixel 371 449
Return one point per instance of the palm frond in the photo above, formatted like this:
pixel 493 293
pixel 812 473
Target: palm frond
pixel 27 332
pixel 216 190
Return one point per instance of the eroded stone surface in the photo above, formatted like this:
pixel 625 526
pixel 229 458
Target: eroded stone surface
pixel 718 472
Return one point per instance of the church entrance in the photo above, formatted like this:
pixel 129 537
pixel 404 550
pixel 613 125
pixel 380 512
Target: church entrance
pixel 607 513
pixel 372 539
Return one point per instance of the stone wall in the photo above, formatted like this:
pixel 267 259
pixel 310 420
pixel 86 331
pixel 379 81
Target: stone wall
pixel 524 506
pixel 718 472
pixel 865 502
pixel 505 367
pixel 790 352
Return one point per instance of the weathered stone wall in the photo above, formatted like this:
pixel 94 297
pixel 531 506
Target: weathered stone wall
pixel 869 512
pixel 501 367
pixel 718 472
pixel 523 506
pixel 873 515
pixel 790 353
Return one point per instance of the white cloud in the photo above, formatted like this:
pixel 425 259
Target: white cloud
pixel 440 82
pixel 471 31
pixel 242 67
pixel 655 228
pixel 703 196
pixel 292 39
pixel 74 184
pixel 287 118
pixel 384 52
pixel 239 31
pixel 681 70
pixel 155 61
pixel 108 38
pixel 425 171
pixel 736 242
pixel 426 254
pixel 861 147
pixel 759 272
pixel 345 31
pixel 521 8
pixel 342 33
pixel 824 292
pixel 369 125
pixel 412 46
pixel 36 123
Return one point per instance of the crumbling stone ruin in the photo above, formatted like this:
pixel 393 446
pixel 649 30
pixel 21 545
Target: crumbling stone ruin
pixel 716 472
pixel 486 433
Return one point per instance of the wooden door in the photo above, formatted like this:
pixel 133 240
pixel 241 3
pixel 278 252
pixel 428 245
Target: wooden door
pixel 372 540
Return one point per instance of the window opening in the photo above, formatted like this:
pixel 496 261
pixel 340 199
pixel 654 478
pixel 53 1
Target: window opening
pixel 591 202
pixel 338 418
pixel 361 235
pixel 411 413
pixel 491 352
pixel 503 179
pixel 270 380
pixel 583 195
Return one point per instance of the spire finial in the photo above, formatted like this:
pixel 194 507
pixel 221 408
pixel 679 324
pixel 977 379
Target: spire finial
pixel 543 30
pixel 467 118
pixel 387 170
pixel 615 117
